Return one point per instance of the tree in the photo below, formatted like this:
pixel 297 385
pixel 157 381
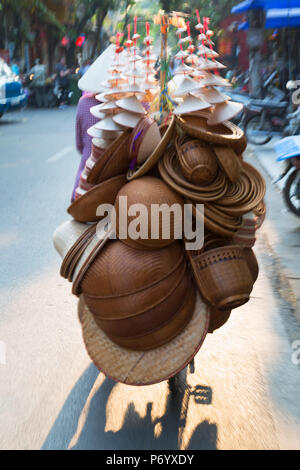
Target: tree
pixel 15 17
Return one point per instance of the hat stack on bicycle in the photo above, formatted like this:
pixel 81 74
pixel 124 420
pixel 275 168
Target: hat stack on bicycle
pixel 146 303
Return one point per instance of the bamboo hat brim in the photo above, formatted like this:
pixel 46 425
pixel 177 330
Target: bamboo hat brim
pixel 155 155
pixel 144 368
pixel 226 133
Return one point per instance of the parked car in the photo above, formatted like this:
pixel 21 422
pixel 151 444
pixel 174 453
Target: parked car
pixel 11 90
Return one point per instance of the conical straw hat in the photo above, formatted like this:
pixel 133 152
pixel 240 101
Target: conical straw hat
pixel 108 124
pixel 213 96
pixel 133 88
pixel 98 72
pixel 131 104
pixel 127 119
pixel 146 367
pixel 109 106
pixel 192 58
pixel 215 80
pixel 183 69
pixel 208 64
pixel 100 97
pixel 186 86
pixel 95 111
pixel 224 112
pixel 191 104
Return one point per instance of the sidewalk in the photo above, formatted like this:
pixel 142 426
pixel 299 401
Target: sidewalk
pixel 281 230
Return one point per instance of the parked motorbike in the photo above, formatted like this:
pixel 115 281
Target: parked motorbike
pixel 288 150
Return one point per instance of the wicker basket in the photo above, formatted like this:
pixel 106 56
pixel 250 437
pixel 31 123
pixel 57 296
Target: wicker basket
pixel 223 276
pixel 171 173
pixel 218 318
pixel 197 161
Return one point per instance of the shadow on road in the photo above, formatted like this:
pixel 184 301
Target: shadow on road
pixel 136 432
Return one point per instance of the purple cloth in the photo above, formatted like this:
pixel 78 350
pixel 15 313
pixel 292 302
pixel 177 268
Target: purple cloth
pixel 84 120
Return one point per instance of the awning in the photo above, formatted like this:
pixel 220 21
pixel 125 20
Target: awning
pixel 283 18
pixel 248 5
pixel 265 5
pixel 279 13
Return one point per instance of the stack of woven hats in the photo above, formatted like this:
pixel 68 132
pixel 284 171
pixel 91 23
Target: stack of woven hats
pixel 146 302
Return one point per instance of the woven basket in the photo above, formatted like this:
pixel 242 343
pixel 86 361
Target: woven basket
pixel 112 161
pixel 223 276
pixel 252 263
pixel 226 133
pixel 85 207
pixel 218 318
pixel 197 161
pixel 171 173
pixel 149 191
pixel 167 131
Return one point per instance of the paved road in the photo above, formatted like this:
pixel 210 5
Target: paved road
pixel 244 394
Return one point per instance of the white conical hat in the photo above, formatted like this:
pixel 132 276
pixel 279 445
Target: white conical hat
pixel 94 110
pixel 213 96
pixel 150 59
pixel 108 124
pixel 127 119
pixel 208 64
pixel 149 83
pixel 110 106
pixel 134 88
pixel 181 55
pixel 98 72
pixel 224 112
pixel 131 104
pixel 100 97
pixel 104 143
pixel 183 69
pixel 191 104
pixel 215 80
pixel 186 86
pixel 192 59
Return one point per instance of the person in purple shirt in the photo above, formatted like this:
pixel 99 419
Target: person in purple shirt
pixel 84 120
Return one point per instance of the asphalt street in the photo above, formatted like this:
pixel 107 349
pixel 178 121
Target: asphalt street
pixel 244 393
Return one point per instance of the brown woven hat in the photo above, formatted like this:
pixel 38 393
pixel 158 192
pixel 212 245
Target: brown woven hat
pixel 167 132
pixel 148 191
pixel 133 329
pixel 145 367
pixel 113 161
pixel 226 133
pixel 229 161
pixel 85 207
